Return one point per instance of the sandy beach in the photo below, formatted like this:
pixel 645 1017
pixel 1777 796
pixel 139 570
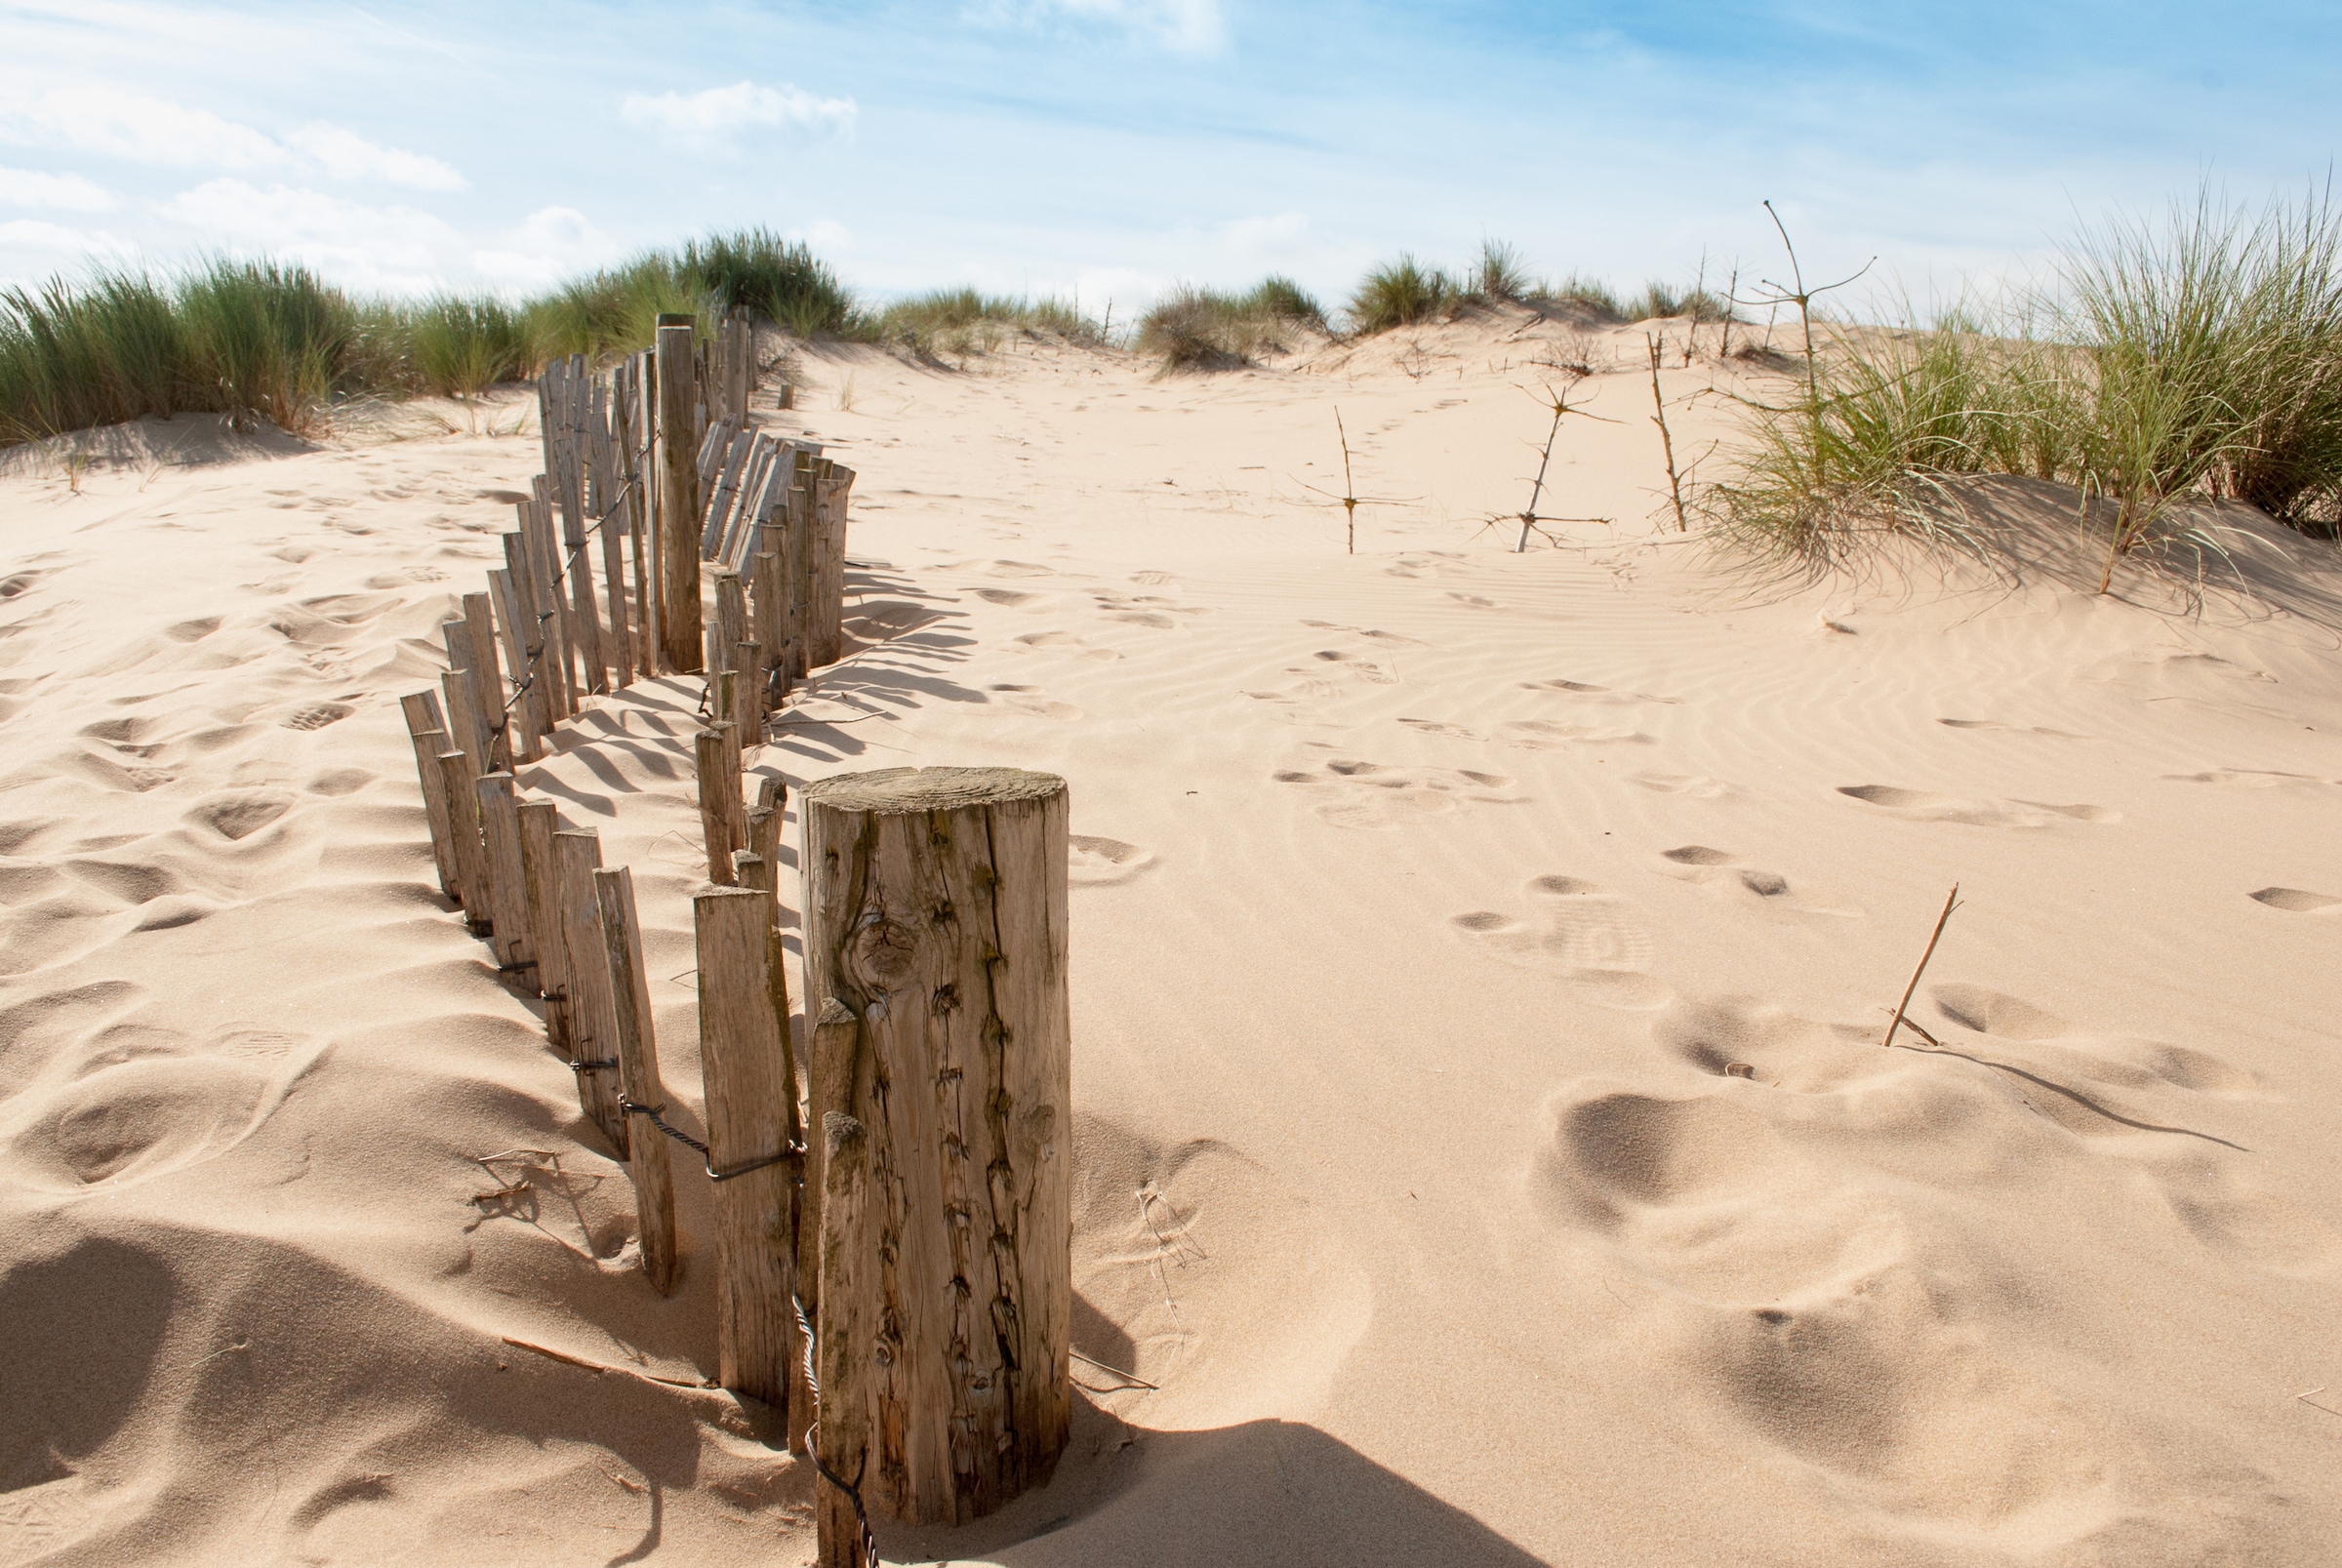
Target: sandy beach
pixel 1485 1148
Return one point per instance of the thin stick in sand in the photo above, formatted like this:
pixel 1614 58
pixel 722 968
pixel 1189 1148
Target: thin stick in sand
pixel 1950 902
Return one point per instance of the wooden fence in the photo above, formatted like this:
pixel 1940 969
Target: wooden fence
pixel 931 1249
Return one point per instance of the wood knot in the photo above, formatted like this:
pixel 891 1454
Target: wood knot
pixel 882 955
pixel 945 999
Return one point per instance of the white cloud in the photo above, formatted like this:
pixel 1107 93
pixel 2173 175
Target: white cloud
pixel 346 155
pixel 827 235
pixel 122 124
pixel 386 247
pixel 718 112
pixel 141 129
pixel 57 240
pixel 1267 239
pixel 24 187
pixel 551 244
pixel 1184 27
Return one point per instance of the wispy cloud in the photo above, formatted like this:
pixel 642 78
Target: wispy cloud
pixel 720 113
pixel 549 245
pixel 346 155
pixel 140 129
pixel 25 187
pixel 393 248
pixel 1182 26
pixel 52 242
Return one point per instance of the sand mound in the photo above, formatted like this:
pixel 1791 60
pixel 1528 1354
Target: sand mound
pixel 1484 1150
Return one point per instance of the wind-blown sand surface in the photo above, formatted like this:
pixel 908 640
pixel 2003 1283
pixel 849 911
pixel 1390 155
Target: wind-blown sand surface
pixel 1423 900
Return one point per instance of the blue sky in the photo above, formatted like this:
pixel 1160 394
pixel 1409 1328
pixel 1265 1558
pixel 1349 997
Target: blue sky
pixel 1114 147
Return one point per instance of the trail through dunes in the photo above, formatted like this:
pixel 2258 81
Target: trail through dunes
pixel 1484 1151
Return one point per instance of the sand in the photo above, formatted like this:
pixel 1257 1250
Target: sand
pixel 1430 904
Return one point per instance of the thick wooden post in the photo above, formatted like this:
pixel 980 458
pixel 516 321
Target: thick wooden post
pixel 637 1052
pixel 678 473
pixel 753 1145
pixel 507 890
pixel 592 1033
pixel 843 1331
pixel 936 911
pixel 463 828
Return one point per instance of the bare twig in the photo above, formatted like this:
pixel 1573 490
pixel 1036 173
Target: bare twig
pixel 1350 498
pixel 566 1359
pixel 1950 902
pixel 1803 297
pixel 1531 521
pixel 1134 1381
pixel 1667 442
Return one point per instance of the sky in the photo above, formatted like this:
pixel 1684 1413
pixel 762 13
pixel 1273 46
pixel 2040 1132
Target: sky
pixel 1107 150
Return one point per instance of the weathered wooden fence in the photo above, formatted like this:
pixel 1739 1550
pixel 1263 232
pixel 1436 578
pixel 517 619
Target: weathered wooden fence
pixel 921 1233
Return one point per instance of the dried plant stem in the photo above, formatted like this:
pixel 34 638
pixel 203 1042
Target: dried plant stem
pixel 1667 442
pixel 1950 902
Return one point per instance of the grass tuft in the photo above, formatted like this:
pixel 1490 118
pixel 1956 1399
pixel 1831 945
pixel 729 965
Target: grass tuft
pixel 1400 293
pixel 2172 363
pixel 1208 329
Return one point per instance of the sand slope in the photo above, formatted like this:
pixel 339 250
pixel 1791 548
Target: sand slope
pixel 1424 898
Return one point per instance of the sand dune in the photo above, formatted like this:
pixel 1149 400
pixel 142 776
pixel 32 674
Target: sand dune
pixel 1485 1153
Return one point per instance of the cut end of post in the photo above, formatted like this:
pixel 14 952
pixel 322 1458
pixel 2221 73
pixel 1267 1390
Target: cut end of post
pixel 841 1136
pixel 914 790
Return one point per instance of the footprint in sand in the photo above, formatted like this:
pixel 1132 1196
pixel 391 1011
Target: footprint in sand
pixel 1923 806
pixel 1454 732
pixel 2297 900
pixel 1545 734
pixel 1008 598
pixel 1018 569
pixel 1593 694
pixel 1143 609
pixel 2254 779
pixel 1690 785
pixel 1096 863
pixel 1577 930
pixel 1337 661
pixel 1391 638
pixel 2113 1087
pixel 1152 579
pixel 318 716
pixel 2009 729
pixel 1029 700
pixel 1038 641
pixel 1472 601
pixel 1725 872
pixel 1353 793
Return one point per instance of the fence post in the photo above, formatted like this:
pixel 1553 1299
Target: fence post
pixel 721 809
pixel 678 472
pixel 753 1145
pixel 429 734
pixel 593 1052
pixel 936 911
pixel 539 819
pixel 464 828
pixel 843 1333
pixel 637 1053
pixel 508 892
